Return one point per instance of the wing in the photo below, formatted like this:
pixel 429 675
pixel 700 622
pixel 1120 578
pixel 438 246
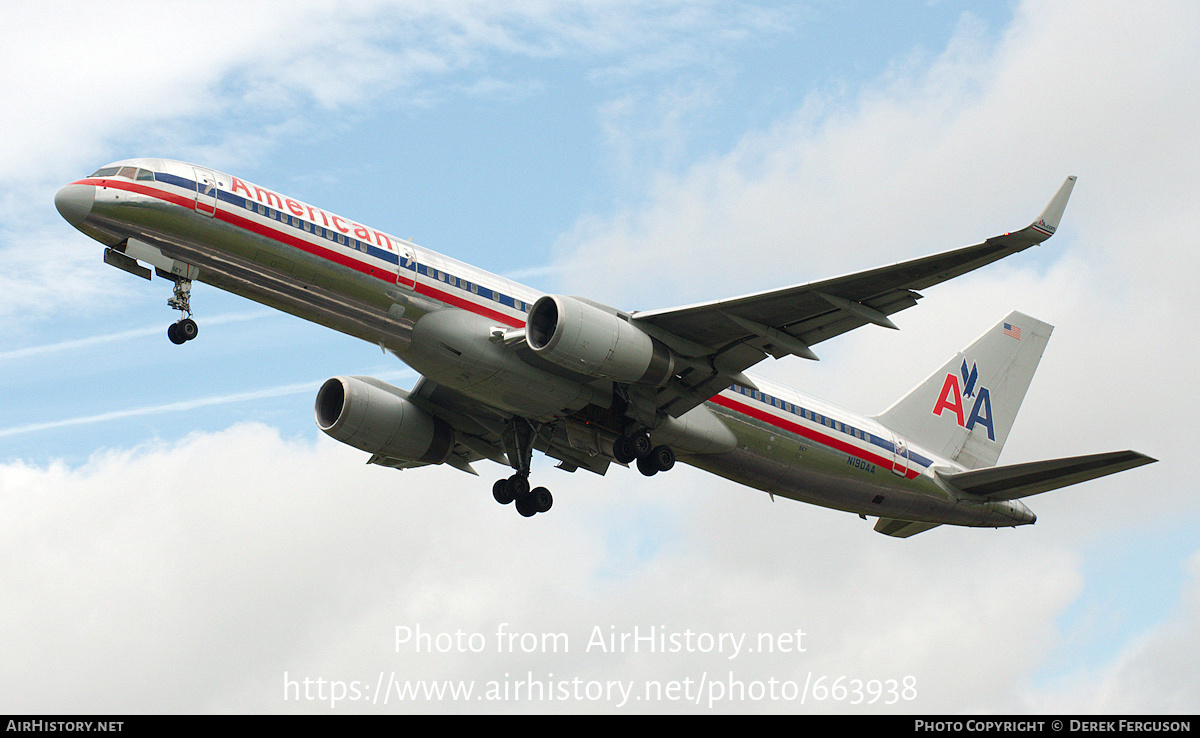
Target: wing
pixel 480 433
pixel 733 334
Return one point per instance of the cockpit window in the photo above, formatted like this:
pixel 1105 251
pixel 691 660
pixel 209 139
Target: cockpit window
pixel 137 173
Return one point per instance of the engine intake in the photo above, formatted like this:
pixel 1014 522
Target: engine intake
pixel 578 336
pixel 375 417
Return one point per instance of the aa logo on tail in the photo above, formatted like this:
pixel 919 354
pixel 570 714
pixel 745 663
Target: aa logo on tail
pixel 954 396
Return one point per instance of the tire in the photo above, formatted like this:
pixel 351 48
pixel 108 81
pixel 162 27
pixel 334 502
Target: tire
pixel 502 491
pixel 646 465
pixel 188 329
pixel 623 450
pixel 526 507
pixel 541 499
pixel 663 457
pixel 173 334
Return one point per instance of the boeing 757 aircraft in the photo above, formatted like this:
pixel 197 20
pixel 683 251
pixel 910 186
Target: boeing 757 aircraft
pixel 506 370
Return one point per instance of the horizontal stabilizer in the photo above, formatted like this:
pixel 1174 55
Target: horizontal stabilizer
pixel 902 528
pixel 1022 480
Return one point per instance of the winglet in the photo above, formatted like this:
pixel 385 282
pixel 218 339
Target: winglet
pixel 1047 222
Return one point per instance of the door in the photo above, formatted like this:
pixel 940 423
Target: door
pixel 206 192
pixel 406 266
pixel 900 457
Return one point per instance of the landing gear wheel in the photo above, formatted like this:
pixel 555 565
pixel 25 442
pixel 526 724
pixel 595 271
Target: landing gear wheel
pixel 633 446
pixel 183 331
pixel 663 458
pixel 187 328
pixel 541 499
pixel 623 450
pixel 519 484
pixel 502 491
pixel 640 442
pixel 646 465
pixel 525 506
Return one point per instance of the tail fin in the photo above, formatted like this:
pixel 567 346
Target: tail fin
pixel 965 410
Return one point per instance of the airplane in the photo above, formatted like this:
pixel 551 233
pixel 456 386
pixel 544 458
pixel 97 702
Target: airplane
pixel 506 370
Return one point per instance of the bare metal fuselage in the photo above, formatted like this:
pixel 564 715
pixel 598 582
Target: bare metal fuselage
pixel 444 318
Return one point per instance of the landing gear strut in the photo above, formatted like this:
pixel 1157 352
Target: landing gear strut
pixel 518 443
pixel 185 329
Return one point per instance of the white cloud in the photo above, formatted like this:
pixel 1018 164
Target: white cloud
pixel 1153 673
pixel 230 83
pixel 158 567
pixel 217 564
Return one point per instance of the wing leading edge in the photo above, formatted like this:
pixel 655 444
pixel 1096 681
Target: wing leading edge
pixel 736 333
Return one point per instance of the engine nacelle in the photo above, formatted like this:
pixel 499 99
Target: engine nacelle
pixel 376 417
pixel 588 340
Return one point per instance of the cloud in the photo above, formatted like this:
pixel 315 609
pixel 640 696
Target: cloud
pixel 963 147
pixel 1152 674
pixel 220 563
pixel 156 566
pixel 232 84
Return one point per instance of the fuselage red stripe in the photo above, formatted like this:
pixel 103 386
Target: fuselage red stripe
pixel 805 432
pixel 385 274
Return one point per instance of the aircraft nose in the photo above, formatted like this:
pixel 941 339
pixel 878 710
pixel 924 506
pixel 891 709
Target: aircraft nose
pixel 74 202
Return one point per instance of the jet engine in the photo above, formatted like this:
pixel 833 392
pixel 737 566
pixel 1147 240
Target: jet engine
pixel 584 338
pixel 376 417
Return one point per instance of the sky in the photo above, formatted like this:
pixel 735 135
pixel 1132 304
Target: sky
pixel 176 536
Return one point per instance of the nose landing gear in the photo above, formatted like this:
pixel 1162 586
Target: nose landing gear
pixel 185 329
pixel 182 331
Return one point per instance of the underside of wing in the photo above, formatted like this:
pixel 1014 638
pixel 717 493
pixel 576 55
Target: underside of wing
pixel 481 432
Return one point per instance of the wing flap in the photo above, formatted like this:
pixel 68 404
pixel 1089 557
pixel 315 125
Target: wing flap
pixel 1022 480
pixel 897 528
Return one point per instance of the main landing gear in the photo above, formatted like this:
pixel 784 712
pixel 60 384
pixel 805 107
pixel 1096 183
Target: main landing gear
pixel 516 489
pixel 650 459
pixel 518 444
pixel 185 329
pixel 518 440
